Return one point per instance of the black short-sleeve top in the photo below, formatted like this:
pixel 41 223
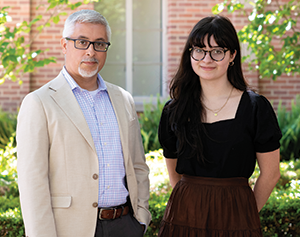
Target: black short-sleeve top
pixel 229 145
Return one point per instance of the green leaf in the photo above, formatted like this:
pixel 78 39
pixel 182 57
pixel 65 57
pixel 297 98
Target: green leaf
pixel 218 8
pixel 270 57
pixel 39 64
pixel 290 54
pixel 52 5
pixel 29 68
pixel 55 19
pixel 74 6
pixel 40 28
pixel 10 58
pixel 35 20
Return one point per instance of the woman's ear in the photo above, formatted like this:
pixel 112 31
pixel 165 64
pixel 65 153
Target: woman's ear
pixel 232 56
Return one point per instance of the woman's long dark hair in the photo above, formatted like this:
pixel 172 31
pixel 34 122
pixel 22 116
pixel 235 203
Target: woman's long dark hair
pixel 186 109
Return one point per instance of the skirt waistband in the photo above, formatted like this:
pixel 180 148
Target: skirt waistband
pixel 236 181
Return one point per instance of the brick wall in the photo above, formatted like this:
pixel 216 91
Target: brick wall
pixel 11 94
pixel 182 15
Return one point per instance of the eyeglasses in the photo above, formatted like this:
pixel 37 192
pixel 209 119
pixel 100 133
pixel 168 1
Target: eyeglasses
pixel 215 54
pixel 99 46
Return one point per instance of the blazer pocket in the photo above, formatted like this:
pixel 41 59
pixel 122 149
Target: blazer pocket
pixel 61 202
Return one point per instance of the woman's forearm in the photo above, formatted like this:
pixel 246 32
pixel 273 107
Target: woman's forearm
pixel 263 189
pixel 173 175
pixel 269 175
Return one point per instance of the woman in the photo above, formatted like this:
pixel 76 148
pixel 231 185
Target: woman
pixel 212 132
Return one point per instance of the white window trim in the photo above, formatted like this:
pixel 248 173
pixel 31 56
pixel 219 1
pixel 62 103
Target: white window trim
pixel 140 100
pixel 129 46
pixel 164 49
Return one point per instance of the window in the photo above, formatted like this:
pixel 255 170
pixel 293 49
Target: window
pixel 135 57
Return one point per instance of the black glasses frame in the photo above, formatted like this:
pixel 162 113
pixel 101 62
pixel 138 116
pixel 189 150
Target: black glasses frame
pixel 90 42
pixel 207 51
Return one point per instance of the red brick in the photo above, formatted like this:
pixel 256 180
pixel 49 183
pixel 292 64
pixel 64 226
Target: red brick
pixel 182 15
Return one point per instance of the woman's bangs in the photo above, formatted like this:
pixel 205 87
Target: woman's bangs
pixel 198 37
pixel 219 38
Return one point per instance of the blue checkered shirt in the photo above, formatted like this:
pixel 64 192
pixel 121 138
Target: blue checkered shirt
pixel 101 119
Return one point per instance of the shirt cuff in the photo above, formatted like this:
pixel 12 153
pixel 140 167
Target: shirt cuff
pixel 145 227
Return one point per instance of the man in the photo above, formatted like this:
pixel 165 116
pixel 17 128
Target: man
pixel 81 165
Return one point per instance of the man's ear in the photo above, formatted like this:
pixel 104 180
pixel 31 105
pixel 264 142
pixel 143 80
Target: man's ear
pixel 63 43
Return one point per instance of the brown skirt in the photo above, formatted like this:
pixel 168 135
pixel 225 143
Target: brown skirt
pixel 211 207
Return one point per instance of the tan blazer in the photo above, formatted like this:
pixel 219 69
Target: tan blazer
pixel 57 161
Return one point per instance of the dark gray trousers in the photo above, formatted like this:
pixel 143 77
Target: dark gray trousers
pixel 125 226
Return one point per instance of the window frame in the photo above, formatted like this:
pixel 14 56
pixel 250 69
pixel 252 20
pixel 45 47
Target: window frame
pixel 140 100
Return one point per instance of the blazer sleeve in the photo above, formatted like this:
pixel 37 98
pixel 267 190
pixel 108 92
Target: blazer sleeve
pixel 141 169
pixel 32 153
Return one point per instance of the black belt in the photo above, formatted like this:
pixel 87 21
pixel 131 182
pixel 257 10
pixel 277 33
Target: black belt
pixel 112 213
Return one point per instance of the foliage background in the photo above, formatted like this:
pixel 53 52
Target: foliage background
pixel 149 121
pixel 272 35
pixel 289 123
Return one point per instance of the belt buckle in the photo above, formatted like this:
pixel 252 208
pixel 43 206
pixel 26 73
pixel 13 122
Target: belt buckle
pixel 104 209
pixel 115 213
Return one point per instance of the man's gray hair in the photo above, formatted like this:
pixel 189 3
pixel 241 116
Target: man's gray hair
pixel 85 16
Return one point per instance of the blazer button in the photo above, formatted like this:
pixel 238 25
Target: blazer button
pixel 95 204
pixel 95 176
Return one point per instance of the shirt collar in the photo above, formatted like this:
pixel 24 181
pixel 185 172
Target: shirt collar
pixel 73 84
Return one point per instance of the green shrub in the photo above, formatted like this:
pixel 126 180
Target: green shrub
pixel 289 123
pixel 281 215
pixel 157 205
pixel 11 223
pixel 149 121
pixel 160 189
pixel 7 203
pixel 8 124
pixel 8 170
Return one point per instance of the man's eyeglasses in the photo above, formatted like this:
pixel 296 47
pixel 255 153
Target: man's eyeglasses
pixel 99 46
pixel 199 54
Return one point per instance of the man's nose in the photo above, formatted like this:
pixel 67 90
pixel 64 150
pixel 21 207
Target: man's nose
pixel 90 50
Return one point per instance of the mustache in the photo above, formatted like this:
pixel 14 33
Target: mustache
pixel 90 60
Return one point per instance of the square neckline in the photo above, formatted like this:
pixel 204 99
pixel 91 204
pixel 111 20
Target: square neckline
pixel 230 119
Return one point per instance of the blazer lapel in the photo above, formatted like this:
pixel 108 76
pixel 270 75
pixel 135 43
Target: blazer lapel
pixel 64 97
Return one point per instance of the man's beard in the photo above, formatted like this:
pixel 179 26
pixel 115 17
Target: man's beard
pixel 85 73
